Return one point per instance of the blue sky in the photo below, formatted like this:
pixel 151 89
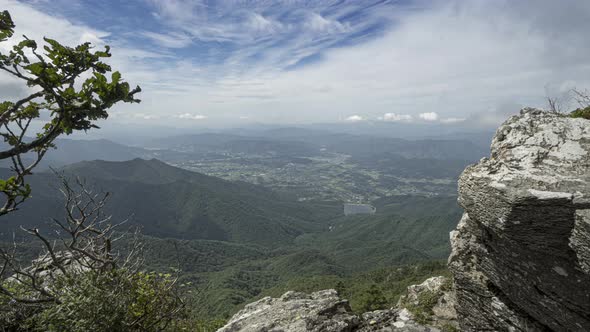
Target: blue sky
pixel 216 63
pixel 281 34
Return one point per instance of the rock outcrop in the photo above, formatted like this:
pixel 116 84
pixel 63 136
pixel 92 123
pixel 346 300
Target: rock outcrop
pixel 325 311
pixel 521 253
pixel 434 300
pixel 320 311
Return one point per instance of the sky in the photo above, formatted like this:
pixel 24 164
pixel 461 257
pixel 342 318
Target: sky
pixel 231 63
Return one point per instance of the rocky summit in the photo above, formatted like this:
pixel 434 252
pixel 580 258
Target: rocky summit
pixel 325 311
pixel 521 252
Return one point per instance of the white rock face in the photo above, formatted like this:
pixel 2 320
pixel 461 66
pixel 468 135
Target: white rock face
pixel 321 311
pixel 521 253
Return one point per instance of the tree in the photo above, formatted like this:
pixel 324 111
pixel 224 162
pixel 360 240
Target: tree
pixel 374 299
pixel 55 90
pixel 554 104
pixel 583 99
pixel 79 282
pixel 340 288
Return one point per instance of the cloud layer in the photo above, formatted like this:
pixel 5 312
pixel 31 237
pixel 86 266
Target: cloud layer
pixel 300 61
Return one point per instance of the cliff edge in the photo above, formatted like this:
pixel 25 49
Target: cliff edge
pixel 521 252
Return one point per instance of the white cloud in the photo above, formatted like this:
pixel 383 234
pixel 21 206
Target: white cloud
pixel 428 116
pixel 178 9
pixel 130 60
pixel 453 59
pixel 92 37
pixel 396 117
pixel 36 24
pixel 354 118
pixel 190 116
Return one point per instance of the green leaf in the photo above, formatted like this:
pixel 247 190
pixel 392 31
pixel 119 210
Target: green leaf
pixel 35 68
pixel 116 77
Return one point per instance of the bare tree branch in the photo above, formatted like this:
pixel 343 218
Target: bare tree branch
pixel 89 245
pixel 582 97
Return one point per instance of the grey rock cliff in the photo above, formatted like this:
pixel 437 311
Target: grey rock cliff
pixel 521 253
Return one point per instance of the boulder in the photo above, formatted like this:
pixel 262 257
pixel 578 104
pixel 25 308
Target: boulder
pixel 319 311
pixel 521 252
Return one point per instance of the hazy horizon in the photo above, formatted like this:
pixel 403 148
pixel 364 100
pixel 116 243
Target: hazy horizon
pixel 139 134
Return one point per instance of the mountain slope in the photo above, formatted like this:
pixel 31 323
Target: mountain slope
pixel 170 202
pixel 406 229
pixel 236 241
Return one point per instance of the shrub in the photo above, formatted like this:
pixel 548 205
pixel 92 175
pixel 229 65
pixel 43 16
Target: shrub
pixel 581 113
pixel 90 301
pixel 374 299
pixel 82 284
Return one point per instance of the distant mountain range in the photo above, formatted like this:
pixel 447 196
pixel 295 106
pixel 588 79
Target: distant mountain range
pixel 280 142
pixel 307 142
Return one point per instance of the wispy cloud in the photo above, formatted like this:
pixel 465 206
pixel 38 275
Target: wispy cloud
pixel 270 35
pixel 317 23
pixel 176 40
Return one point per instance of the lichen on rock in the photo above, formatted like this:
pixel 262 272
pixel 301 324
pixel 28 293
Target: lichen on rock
pixel 520 254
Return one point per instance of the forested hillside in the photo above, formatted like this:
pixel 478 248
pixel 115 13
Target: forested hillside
pixel 236 241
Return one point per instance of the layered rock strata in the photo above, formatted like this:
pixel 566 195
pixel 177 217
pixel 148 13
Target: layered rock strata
pixel 521 253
